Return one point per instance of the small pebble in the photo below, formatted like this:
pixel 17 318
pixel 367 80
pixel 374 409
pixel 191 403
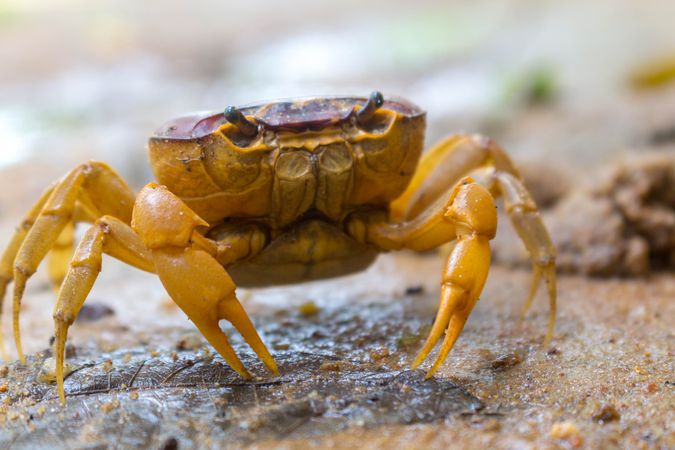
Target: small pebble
pixel 506 361
pixel 170 444
pixel 414 290
pixel 330 366
pixel 379 354
pixel 567 431
pixel 109 406
pixel 48 370
pixel 308 309
pixel 607 413
pixel 93 311
pixel 189 342
pixel 108 365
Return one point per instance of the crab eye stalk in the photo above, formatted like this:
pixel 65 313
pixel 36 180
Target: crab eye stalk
pixel 236 118
pixel 364 114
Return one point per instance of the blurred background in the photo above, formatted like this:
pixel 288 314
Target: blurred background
pixel 566 87
pixel 83 80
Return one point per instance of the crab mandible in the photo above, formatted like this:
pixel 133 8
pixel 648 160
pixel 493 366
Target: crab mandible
pixel 284 192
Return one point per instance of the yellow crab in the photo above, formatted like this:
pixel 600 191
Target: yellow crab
pixel 283 192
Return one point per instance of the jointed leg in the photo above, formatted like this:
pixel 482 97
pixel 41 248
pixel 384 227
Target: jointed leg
pixel 488 164
pixel 443 166
pixel 108 235
pixel 94 186
pixel 163 240
pixel 9 255
pixel 469 216
pixel 60 255
pixel 526 220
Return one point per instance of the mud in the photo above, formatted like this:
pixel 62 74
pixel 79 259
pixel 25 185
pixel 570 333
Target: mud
pixel 606 382
pixel 621 224
pixel 329 382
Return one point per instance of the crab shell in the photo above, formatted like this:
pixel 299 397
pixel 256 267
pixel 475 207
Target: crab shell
pixel 309 158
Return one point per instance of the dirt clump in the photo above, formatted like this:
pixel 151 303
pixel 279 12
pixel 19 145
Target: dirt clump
pixel 623 225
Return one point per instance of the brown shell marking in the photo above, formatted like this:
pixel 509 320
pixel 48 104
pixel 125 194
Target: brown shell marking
pixel 292 115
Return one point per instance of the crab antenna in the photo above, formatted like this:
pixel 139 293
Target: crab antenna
pixel 236 118
pixel 366 112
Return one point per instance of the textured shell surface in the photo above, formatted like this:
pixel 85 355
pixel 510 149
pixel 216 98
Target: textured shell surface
pixel 292 159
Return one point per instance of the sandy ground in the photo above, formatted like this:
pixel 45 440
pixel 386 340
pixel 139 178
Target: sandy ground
pixel 606 381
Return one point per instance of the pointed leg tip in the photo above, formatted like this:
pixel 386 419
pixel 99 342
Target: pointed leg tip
pixel 19 351
pixel 238 367
pixel 272 366
pixel 547 341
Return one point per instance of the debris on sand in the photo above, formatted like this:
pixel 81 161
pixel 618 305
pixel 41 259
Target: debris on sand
pixel 567 431
pixel 308 308
pixel 93 311
pixel 48 370
pixel 606 413
pixel 624 225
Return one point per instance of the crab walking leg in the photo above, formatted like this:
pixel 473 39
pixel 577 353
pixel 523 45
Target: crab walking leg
pixel 60 256
pixel 96 186
pixel 186 265
pixel 485 161
pixel 108 235
pixel 9 255
pixel 443 166
pixel 469 216
pixel 61 253
pixel 525 218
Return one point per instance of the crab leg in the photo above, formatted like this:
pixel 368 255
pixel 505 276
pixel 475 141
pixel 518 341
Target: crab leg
pixel 97 188
pixel 9 255
pixel 488 164
pixel 108 235
pixel 469 215
pixel 186 265
pixel 163 240
pixel 443 166
pixel 60 255
pixel 526 220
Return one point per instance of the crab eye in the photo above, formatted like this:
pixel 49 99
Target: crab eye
pixel 236 118
pixel 243 131
pixel 367 112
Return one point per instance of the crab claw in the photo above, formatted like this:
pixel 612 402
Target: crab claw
pixel 194 279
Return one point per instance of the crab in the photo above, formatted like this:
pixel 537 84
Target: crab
pixel 281 192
